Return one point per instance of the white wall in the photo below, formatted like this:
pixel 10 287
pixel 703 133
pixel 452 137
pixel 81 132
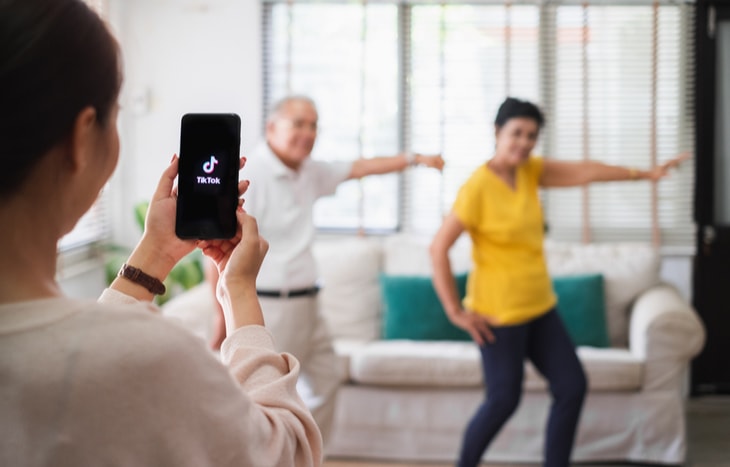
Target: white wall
pixel 85 281
pixel 179 56
pixel 677 270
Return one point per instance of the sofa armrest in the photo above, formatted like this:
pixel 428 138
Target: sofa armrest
pixel 666 333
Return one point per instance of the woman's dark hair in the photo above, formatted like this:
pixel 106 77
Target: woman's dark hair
pixel 56 58
pixel 516 108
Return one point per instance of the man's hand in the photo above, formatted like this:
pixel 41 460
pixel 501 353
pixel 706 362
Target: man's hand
pixel 434 161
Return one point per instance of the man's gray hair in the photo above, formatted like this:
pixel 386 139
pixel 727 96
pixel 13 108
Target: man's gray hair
pixel 279 105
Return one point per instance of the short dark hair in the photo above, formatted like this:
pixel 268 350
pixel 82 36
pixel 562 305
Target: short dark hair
pixel 56 57
pixel 516 108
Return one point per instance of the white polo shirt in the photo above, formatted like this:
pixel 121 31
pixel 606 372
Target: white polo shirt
pixel 282 202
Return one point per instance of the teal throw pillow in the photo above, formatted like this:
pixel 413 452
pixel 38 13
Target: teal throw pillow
pixel 582 306
pixel 412 310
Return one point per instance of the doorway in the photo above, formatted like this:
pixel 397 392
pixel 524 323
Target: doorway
pixel 711 278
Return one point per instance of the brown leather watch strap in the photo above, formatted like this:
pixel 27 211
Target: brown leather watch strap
pixel 137 276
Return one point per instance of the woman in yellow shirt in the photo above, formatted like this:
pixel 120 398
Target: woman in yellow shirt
pixel 510 307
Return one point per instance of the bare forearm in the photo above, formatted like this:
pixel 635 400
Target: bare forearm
pixel 566 174
pixel 240 305
pixel 443 281
pixel 379 165
pixel 384 165
pixel 600 172
pixel 569 174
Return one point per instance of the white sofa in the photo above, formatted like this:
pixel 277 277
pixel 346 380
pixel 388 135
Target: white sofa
pixel 411 400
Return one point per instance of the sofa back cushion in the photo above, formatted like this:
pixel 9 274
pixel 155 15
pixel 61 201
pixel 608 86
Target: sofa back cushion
pixel 406 254
pixel 350 296
pixel 628 269
pixel 350 268
pixel 412 310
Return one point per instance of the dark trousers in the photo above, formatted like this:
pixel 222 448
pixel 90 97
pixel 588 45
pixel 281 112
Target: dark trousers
pixel 547 344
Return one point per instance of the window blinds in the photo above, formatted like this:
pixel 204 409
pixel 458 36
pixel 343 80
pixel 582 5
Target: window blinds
pixel 613 78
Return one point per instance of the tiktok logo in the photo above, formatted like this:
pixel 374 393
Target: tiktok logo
pixel 209 167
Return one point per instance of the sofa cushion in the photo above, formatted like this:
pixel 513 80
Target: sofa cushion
pixel 582 307
pixel 607 370
pixel 612 369
pixel 412 310
pixel 416 363
pixel 350 297
pixel 458 364
pixel 344 348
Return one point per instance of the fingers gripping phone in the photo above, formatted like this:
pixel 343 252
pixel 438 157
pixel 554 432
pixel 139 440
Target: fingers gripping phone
pixel 207 195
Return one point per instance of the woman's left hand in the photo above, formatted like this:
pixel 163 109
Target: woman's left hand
pixel 661 171
pixel 159 226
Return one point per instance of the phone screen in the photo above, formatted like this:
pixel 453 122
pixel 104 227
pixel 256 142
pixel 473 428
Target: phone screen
pixel 208 176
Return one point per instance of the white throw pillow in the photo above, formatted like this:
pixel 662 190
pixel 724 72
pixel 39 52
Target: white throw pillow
pixel 628 270
pixel 350 297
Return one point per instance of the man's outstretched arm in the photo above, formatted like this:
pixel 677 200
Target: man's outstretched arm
pixel 397 163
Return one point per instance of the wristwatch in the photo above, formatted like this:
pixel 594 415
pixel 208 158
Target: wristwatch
pixel 138 276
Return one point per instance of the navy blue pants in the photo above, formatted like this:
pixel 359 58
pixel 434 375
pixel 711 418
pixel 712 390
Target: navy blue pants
pixel 547 344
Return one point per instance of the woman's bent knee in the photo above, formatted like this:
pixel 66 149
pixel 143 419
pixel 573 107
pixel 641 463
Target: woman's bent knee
pixel 503 404
pixel 571 389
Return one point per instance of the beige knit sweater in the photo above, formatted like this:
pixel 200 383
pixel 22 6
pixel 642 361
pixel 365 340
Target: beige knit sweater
pixel 111 383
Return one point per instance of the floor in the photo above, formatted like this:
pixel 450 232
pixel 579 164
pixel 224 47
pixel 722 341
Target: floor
pixel 708 431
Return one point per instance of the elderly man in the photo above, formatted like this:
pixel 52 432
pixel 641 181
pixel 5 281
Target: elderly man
pixel 285 183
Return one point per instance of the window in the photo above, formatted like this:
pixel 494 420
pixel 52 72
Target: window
pixel 94 225
pixel 345 57
pixel 632 108
pixel 611 77
pixel 465 60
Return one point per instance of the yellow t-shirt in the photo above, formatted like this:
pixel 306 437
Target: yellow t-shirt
pixel 510 280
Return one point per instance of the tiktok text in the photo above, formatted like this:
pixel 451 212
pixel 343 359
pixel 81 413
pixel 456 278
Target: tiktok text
pixel 209 180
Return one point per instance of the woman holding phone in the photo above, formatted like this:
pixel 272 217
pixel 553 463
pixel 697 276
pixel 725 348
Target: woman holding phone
pixel 110 382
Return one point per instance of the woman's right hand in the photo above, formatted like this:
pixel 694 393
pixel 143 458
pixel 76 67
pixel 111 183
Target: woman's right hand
pixel 238 259
pixel 478 326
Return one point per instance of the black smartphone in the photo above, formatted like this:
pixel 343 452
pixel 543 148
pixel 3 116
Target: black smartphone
pixel 207 195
